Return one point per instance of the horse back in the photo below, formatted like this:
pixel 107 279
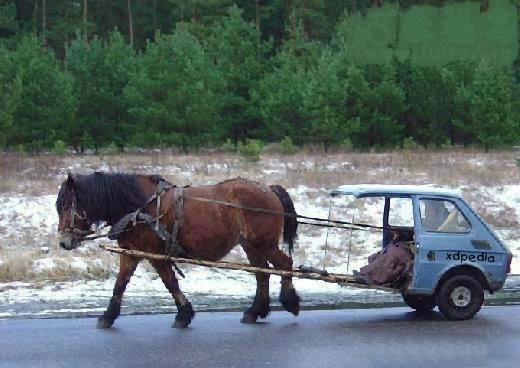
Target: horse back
pixel 211 230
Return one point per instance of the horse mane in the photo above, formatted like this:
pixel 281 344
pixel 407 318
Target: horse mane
pixel 109 196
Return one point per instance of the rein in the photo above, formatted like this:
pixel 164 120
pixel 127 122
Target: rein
pixel 107 235
pixel 326 222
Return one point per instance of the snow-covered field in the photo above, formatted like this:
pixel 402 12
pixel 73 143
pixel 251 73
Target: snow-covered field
pixel 38 278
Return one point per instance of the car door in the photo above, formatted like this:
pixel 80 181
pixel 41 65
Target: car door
pixel 442 232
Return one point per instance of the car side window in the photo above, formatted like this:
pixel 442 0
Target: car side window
pixel 438 215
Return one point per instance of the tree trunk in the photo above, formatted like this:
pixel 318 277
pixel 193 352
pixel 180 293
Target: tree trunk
pixel 291 13
pixel 66 16
pixel 484 6
pixel 130 23
pixel 85 14
pixel 35 15
pixel 183 7
pixel 257 14
pixel 154 9
pixel 44 22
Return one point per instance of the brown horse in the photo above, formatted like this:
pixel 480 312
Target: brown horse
pixel 209 231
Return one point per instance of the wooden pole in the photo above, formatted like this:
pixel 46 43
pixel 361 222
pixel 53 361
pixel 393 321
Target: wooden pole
pixel 327 237
pixel 345 280
pixel 350 245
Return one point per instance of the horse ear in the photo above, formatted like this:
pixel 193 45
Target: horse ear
pixel 70 181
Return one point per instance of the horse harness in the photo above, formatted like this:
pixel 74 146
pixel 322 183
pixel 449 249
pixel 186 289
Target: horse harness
pixel 171 239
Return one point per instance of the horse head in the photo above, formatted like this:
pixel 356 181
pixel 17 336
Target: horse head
pixel 73 221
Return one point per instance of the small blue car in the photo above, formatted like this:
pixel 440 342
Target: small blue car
pixel 457 255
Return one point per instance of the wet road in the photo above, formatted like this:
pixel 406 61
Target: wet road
pixel 391 337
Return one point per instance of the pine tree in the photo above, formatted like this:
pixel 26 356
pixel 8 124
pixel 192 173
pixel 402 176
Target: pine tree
pixel 239 55
pixel 176 96
pixel 491 107
pixel 46 108
pixel 101 71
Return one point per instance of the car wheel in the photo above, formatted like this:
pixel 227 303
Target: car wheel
pixel 421 303
pixel 460 297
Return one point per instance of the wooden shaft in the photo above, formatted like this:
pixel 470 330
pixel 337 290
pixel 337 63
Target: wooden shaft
pixel 331 277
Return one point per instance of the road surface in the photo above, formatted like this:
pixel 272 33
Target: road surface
pixel 391 337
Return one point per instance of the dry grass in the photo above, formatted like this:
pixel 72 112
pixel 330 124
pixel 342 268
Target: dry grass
pixel 37 175
pixel 21 264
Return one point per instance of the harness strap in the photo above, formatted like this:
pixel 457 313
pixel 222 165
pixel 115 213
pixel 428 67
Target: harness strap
pixel 73 211
pixel 122 224
pixel 73 214
pixel 157 211
pixel 174 247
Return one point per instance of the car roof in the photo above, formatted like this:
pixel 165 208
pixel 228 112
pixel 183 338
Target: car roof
pixel 385 190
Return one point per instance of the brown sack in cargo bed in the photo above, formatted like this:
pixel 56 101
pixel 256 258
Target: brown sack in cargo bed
pixel 391 266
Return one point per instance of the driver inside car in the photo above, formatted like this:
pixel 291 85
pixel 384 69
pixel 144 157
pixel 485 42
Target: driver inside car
pixel 435 215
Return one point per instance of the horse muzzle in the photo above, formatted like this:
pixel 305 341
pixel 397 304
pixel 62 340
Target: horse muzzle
pixel 67 241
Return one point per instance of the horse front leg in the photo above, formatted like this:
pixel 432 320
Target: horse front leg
pixel 127 266
pixel 185 312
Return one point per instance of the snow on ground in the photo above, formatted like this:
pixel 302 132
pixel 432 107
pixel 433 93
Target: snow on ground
pixel 33 220
pixel 21 214
pixel 508 195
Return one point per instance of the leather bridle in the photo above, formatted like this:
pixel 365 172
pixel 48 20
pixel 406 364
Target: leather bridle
pixel 73 214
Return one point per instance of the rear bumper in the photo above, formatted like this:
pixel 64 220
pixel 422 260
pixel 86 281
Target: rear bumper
pixel 496 285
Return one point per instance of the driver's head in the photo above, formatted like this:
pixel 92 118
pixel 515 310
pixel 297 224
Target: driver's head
pixel 434 208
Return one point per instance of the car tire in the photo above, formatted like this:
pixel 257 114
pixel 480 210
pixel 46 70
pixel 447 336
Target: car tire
pixel 421 303
pixel 460 297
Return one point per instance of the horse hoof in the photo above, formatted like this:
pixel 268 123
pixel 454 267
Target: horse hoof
pixel 184 316
pixel 102 323
pixel 181 324
pixel 249 319
pixel 290 301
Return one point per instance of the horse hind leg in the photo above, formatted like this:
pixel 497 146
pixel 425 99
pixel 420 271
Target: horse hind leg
pixel 260 307
pixel 288 296
pixel 185 312
pixel 127 266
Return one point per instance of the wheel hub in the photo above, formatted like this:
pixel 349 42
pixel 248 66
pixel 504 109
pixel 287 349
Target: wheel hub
pixel 461 296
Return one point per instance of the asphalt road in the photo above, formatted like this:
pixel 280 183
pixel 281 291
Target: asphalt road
pixel 391 337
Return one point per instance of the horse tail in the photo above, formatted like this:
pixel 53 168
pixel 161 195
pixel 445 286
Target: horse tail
pixel 290 224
